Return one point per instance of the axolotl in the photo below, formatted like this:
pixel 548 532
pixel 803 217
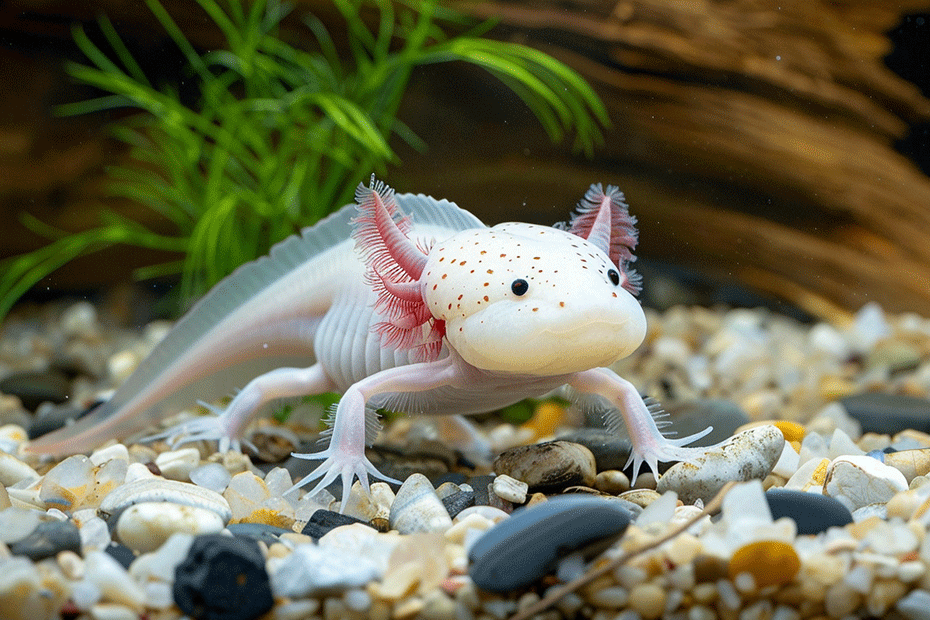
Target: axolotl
pixel 412 304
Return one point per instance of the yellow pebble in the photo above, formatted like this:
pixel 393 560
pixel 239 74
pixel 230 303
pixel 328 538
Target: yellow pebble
pixel 791 430
pixel 547 417
pixel 770 562
pixel 648 599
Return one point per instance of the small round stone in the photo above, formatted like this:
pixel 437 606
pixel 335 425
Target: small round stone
pixel 770 562
pixel 145 527
pixel 548 466
pixel 521 549
pixel 813 513
pixel 48 539
pixel 223 578
pixel 647 599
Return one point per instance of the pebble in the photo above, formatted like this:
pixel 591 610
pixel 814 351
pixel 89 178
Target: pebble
pixel 417 508
pixel 311 569
pixel 458 501
pixel 223 578
pixel 858 481
pixel 749 455
pixel 539 536
pixel 48 539
pixel 770 562
pixel 548 466
pixel 814 513
pixel 161 490
pixel 36 387
pixel 324 521
pixel 694 416
pixel 510 489
pixel 267 534
pixel 610 450
pixel 146 526
pixel 178 464
pixel 760 363
pixel 889 414
pixel 911 463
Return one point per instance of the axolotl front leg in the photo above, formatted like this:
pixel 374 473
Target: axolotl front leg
pixel 649 445
pixel 345 457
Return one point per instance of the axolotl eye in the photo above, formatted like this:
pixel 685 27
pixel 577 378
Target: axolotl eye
pixel 614 276
pixel 519 287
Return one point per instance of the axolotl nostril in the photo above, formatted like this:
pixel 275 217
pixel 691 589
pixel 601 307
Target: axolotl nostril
pixel 404 302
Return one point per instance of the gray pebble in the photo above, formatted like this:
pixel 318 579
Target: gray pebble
pixel 694 416
pixel 458 502
pixel 610 450
pixel 521 549
pixel 36 387
pixel 323 521
pixel 888 413
pixel 48 539
pixel 258 531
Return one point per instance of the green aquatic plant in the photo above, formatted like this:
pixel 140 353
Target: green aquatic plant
pixel 278 136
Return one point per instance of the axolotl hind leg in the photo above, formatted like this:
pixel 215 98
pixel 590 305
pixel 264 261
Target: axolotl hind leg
pixel 226 424
pixel 345 457
pixel 649 445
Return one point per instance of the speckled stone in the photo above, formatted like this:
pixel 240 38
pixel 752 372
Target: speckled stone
pixel 749 455
pixel 521 549
pixel 223 578
pixel 548 466
pixel 48 539
pixel 813 512
pixel 888 413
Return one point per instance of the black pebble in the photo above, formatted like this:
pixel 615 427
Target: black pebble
pixel 457 502
pixel 48 539
pixel 223 578
pixel 814 513
pixel 257 531
pixel 36 387
pixel 480 486
pixel 323 521
pixel 122 554
pixel 888 413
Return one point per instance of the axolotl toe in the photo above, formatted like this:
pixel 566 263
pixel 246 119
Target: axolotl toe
pixel 411 303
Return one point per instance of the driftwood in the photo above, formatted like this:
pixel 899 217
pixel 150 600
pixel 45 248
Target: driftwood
pixel 755 143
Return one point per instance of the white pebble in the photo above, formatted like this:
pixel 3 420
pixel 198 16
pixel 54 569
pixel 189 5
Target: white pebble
pixel 116 451
pixel 510 489
pixel 858 481
pixel 146 526
pixel 177 464
pixel 113 580
pixel 211 476
pixel 112 611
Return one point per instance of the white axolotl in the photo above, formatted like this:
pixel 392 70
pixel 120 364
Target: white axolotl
pixel 408 303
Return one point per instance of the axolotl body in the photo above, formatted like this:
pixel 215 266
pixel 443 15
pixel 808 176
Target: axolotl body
pixel 412 304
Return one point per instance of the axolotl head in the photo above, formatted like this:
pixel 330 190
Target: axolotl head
pixel 528 299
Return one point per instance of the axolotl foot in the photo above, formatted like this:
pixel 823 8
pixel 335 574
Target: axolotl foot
pixel 665 450
pixel 343 464
pixel 211 427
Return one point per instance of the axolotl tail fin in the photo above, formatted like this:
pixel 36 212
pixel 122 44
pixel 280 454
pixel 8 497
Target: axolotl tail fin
pixel 244 326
